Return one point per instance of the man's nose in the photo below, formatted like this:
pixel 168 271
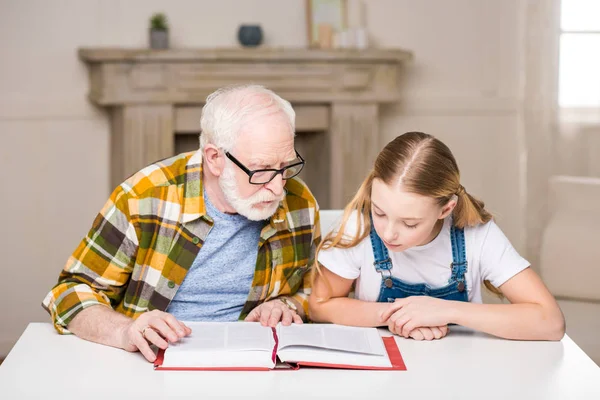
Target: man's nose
pixel 276 185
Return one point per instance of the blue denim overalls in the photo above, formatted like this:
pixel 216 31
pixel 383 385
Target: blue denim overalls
pixel 393 288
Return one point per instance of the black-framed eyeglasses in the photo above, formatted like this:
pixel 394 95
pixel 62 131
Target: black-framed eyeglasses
pixel 263 176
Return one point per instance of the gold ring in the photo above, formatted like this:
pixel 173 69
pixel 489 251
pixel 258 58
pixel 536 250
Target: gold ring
pixel 143 332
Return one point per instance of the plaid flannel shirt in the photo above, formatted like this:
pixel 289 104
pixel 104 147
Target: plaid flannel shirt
pixel 145 238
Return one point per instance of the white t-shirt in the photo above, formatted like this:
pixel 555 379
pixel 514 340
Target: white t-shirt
pixel 490 256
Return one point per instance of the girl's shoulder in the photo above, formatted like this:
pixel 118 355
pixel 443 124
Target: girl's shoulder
pixel 353 224
pixel 488 234
pixel 480 229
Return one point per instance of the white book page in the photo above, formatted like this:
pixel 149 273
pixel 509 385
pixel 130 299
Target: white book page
pixel 223 344
pixel 332 357
pixel 331 337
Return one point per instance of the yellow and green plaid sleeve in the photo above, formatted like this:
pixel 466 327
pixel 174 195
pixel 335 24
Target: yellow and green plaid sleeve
pixel 301 296
pixel 99 269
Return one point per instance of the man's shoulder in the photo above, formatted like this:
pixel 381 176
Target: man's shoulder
pixel 167 172
pixel 299 195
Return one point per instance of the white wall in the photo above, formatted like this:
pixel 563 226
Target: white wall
pixel 578 146
pixel 464 87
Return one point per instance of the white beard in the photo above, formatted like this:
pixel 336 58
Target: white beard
pixel 246 207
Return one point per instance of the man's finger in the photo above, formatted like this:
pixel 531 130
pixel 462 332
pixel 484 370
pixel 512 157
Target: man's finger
pixel 151 336
pixel 253 316
pixel 161 327
pixel 186 329
pixel 297 318
pixel 287 318
pixel 174 324
pixel 276 316
pixel 143 346
pixel 265 314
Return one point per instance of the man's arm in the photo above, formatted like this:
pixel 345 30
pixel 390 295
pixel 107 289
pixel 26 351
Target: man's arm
pixel 105 326
pixel 96 276
pixel 98 271
pixel 86 324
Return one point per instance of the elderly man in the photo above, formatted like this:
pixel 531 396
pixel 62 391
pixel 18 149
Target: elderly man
pixel 226 233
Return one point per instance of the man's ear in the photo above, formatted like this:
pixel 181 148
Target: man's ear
pixel 448 208
pixel 213 159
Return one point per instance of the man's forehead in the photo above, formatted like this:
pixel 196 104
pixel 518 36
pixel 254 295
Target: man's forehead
pixel 266 140
pixel 265 127
pixel 267 157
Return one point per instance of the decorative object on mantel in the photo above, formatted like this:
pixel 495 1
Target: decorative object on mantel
pixel 325 19
pixel 250 35
pixel 159 32
pixel 155 100
pixel 355 36
pixel 336 24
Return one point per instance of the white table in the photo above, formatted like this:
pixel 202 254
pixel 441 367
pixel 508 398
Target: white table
pixel 464 365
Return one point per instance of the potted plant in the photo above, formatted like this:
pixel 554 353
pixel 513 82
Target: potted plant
pixel 159 31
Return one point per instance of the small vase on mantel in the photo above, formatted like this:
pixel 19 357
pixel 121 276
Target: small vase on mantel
pixel 250 35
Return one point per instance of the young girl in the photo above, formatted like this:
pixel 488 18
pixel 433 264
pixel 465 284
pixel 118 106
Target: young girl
pixel 418 248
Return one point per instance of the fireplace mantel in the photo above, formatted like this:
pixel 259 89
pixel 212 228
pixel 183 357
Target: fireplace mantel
pixel 154 95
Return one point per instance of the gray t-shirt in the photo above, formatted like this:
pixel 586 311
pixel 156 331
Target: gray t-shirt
pixel 218 282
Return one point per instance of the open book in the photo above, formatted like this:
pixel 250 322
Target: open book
pixel 250 346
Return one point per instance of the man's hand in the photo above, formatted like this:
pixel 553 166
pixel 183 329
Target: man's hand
pixel 273 311
pixel 153 327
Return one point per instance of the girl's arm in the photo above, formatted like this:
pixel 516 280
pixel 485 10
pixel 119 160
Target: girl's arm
pixel 532 315
pixel 340 309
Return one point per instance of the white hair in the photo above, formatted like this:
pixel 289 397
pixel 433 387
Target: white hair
pixel 227 108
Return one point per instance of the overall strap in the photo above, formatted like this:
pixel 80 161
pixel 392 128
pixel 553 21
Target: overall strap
pixel 459 254
pixel 382 258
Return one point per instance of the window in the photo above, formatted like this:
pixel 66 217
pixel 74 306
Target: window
pixel 579 74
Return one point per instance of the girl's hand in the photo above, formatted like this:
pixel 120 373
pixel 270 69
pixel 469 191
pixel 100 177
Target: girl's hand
pixel 433 333
pixel 405 315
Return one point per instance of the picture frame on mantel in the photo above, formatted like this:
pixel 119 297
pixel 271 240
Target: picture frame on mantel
pixel 325 19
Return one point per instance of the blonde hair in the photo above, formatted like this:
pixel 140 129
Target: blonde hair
pixel 423 165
